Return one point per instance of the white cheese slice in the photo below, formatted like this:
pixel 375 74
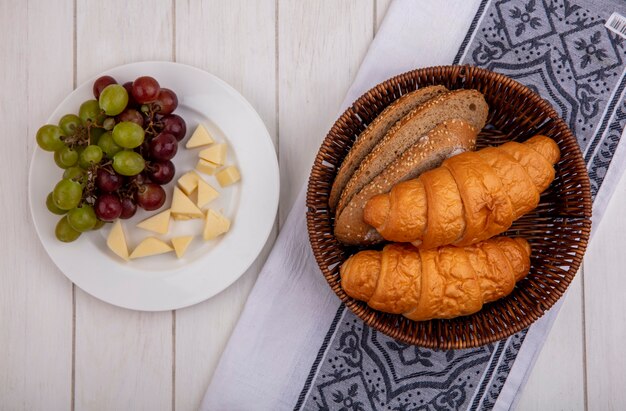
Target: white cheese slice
pixel 159 223
pixel 206 193
pixel 200 137
pixel 150 246
pixel 183 208
pixel 215 225
pixel 216 154
pixel 188 182
pixel 116 241
pixel 180 244
pixel 206 167
pixel 227 176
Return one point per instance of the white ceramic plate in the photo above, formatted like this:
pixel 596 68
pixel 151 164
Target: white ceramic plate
pixel 164 282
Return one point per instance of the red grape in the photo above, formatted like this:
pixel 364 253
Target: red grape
pixel 150 196
pixel 129 208
pixel 175 125
pixel 161 172
pixel 131 100
pixel 163 147
pixel 101 83
pixel 145 89
pixel 108 207
pixel 166 101
pixel 108 180
pixel 130 114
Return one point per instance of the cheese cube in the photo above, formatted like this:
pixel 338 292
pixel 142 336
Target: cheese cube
pixel 206 193
pixel 228 176
pixel 180 244
pixel 215 225
pixel 188 182
pixel 116 241
pixel 216 154
pixel 206 167
pixel 183 208
pixel 200 137
pixel 150 246
pixel 159 223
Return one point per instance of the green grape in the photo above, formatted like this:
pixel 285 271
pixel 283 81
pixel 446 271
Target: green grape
pixel 95 133
pixel 108 123
pixel 74 173
pixel 128 163
pixel 82 218
pixel 69 124
pixel 90 111
pixel 91 155
pixel 66 157
pixel 64 231
pixel 49 137
pixel 52 207
pixel 57 159
pixel 67 194
pixel 128 134
pixel 108 145
pixel 99 224
pixel 113 99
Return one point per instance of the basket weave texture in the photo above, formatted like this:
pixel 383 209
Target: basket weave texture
pixel 558 229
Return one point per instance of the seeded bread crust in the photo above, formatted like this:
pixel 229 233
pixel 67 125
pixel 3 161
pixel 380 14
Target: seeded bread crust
pixel 445 140
pixel 375 131
pixel 468 105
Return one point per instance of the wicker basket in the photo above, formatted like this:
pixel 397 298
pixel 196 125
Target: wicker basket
pixel 558 229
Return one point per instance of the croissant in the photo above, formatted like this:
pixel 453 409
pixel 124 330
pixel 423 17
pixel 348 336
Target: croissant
pixel 444 282
pixel 470 197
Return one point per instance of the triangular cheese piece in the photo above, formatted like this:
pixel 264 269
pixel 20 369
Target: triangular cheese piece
pixel 206 193
pixel 183 208
pixel 150 246
pixel 188 182
pixel 215 225
pixel 200 137
pixel 180 244
pixel 216 154
pixel 116 241
pixel 159 223
pixel 227 176
pixel 206 167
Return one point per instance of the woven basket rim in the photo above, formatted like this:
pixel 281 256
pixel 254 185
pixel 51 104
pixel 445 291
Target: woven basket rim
pixel 385 322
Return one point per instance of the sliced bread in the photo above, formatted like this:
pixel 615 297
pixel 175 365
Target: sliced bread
pixel 445 140
pixel 374 132
pixel 467 105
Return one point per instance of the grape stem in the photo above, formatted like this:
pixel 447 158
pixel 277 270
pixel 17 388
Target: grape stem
pixel 153 123
pixel 89 192
pixel 81 136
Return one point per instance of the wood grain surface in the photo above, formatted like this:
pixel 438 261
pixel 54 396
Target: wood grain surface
pixel 61 348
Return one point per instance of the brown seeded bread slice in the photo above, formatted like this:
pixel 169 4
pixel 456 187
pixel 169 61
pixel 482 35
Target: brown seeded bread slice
pixel 374 132
pixel 468 105
pixel 445 140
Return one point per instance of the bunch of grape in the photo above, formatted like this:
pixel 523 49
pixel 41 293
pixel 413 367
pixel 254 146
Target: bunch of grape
pixel 116 154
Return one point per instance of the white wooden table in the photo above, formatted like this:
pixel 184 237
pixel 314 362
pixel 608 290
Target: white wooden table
pixel 61 348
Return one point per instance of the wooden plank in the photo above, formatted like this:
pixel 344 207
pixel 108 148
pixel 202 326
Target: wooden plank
pixel 605 308
pixel 123 358
pixel 558 375
pixel 380 7
pixel 237 42
pixel 35 297
pixel 321 45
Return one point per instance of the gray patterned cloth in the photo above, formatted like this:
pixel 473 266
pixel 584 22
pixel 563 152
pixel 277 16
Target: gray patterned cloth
pixel 363 369
pixel 563 51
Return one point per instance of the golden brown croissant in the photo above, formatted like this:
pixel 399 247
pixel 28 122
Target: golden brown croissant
pixel 443 282
pixel 471 197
